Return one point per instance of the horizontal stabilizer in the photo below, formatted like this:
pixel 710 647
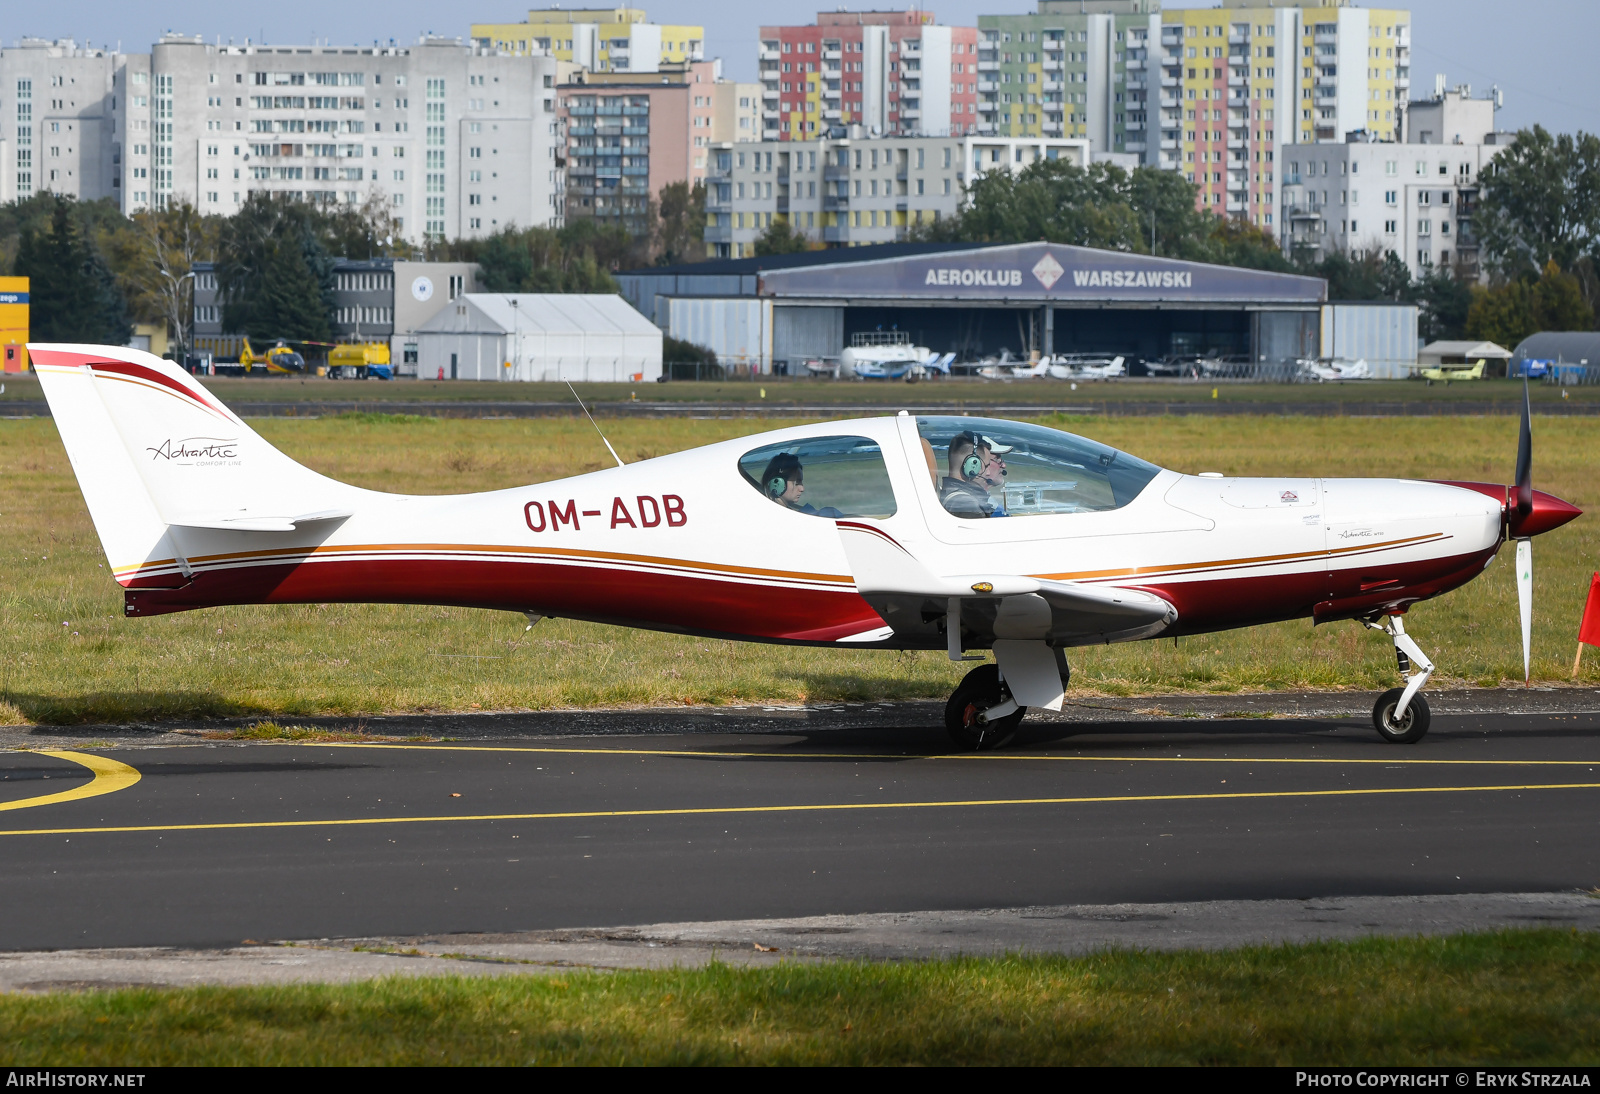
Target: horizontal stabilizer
pixel 253 522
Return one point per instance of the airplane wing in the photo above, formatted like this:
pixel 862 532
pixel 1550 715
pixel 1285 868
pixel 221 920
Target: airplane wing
pixel 915 601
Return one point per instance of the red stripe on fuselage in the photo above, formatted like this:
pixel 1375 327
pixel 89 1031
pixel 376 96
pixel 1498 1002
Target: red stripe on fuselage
pixel 773 613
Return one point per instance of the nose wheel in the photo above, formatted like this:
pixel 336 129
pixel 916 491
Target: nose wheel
pixel 981 714
pixel 1401 715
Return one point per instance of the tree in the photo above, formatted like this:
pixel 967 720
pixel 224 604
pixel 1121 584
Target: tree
pixel 780 239
pixel 546 259
pixel 1541 203
pixel 290 305
pixel 271 235
pixel 73 294
pixel 680 232
pixel 154 253
pixel 1509 312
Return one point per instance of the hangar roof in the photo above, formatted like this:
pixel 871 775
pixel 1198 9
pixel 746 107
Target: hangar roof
pixel 930 274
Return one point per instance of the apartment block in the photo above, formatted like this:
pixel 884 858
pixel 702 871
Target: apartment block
pixel 457 140
pixel 1241 80
pixel 853 191
pixel 60 119
pixel 882 71
pixel 598 39
pixel 627 136
pixel 1415 197
pixel 1064 70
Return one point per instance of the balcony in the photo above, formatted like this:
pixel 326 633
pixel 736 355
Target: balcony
pixel 1136 83
pixel 1235 206
pixel 768 55
pixel 835 202
pixel 769 93
pixel 1171 102
pixel 988 66
pixel 1132 125
pixel 832 114
pixel 1238 142
pixel 988 85
pixel 1052 66
pixel 831 55
pixel 1133 63
pixel 1170 81
pixel 1237 80
pixel 1237 39
pixel 1169 145
pixel 1134 146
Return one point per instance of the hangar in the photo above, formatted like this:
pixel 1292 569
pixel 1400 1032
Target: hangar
pixel 772 313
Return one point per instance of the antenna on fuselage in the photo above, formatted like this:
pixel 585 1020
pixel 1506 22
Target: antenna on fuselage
pixel 594 423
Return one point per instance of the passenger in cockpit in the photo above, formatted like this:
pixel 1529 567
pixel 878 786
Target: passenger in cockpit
pixel 975 469
pixel 784 483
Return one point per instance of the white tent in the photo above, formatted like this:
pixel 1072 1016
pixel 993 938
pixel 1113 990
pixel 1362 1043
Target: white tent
pixel 539 336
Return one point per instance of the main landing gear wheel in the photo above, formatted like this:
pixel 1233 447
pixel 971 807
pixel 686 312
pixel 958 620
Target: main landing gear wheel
pixel 981 690
pixel 1405 730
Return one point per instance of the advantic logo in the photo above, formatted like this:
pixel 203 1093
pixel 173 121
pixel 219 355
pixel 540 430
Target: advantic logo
pixel 197 451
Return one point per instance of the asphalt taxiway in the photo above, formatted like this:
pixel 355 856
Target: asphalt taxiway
pixel 164 841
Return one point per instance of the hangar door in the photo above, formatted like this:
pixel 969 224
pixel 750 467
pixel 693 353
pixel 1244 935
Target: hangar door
pixel 801 334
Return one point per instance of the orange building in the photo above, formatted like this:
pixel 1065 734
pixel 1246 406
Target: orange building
pixel 14 323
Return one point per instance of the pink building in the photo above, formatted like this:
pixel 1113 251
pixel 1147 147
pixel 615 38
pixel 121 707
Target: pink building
pixel 628 134
pixel 889 72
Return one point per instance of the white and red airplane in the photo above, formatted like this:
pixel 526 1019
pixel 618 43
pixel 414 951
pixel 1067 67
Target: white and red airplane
pixel 891 533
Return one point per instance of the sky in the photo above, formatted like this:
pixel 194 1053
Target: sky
pixel 1538 51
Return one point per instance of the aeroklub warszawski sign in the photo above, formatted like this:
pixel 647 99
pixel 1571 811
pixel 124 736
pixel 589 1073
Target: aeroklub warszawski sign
pixel 1043 272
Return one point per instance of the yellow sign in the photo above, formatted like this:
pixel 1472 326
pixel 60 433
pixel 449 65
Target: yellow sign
pixel 14 323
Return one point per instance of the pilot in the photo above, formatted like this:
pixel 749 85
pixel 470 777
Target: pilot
pixel 784 483
pixel 975 469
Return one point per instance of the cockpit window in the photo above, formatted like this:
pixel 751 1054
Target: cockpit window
pixel 823 476
pixel 983 467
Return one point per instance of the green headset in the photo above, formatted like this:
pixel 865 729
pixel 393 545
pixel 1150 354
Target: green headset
pixel 776 486
pixel 972 464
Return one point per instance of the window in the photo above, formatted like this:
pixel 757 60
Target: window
pixel 823 476
pixel 1046 471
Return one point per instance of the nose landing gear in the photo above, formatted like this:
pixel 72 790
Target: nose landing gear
pixel 981 714
pixel 1401 715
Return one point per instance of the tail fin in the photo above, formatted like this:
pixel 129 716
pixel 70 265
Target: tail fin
pixel 153 450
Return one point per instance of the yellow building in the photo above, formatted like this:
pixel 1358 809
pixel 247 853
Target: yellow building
pixel 14 323
pixel 1243 79
pixel 599 39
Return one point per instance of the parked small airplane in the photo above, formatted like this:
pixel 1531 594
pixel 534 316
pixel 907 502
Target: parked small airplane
pixel 1449 374
pixel 1087 368
pixel 1334 369
pixel 892 533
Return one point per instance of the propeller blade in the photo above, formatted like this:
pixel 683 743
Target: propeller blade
pixel 1525 602
pixel 1523 491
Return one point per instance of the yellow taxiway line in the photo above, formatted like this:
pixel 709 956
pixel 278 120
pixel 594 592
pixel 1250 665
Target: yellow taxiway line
pixel 109 777
pixel 833 807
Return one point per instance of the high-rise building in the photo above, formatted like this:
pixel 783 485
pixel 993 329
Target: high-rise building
pixel 1063 70
pixel 1242 80
pixel 848 192
pixel 1416 197
pixel 882 71
pixel 60 116
pixel 458 141
pixel 599 39
pixel 627 136
pixel 454 140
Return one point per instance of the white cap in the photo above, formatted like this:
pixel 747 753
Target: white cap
pixel 992 445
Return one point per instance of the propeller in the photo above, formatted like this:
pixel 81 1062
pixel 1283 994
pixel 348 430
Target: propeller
pixel 1520 505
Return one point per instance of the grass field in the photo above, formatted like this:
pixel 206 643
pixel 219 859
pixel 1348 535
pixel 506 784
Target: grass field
pixel 1501 998
pixel 67 655
pixel 775 391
